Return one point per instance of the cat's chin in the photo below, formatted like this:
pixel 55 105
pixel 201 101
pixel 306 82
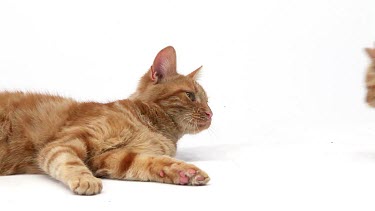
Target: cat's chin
pixel 195 126
pixel 204 125
pixel 201 126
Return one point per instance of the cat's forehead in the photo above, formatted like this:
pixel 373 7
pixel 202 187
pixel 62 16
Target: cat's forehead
pixel 188 85
pixel 195 87
pixel 191 84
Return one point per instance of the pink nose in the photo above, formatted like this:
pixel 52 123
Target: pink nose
pixel 209 114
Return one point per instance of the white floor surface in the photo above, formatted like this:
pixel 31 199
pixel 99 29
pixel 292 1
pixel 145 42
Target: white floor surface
pixel 298 176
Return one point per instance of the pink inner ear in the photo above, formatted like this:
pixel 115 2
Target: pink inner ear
pixel 164 64
pixel 153 74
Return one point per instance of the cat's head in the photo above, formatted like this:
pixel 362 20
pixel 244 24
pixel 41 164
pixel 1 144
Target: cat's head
pixel 370 78
pixel 181 97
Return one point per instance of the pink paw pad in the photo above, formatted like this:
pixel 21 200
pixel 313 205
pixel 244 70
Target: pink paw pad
pixel 183 178
pixel 200 178
pixel 161 174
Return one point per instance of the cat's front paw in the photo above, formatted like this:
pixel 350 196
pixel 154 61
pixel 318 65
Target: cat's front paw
pixel 193 177
pixel 85 185
pixel 185 174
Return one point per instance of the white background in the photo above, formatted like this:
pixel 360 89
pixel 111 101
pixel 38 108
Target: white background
pixel 291 130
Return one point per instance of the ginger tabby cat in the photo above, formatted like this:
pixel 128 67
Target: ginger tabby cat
pixel 131 139
pixel 370 78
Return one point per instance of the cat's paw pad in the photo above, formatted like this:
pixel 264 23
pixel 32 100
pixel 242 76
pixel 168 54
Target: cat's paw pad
pixel 193 177
pixel 85 185
pixel 185 174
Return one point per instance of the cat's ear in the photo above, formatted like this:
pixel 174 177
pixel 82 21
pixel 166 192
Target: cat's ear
pixel 370 53
pixel 164 65
pixel 195 74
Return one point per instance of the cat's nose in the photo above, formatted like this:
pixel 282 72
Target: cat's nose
pixel 209 114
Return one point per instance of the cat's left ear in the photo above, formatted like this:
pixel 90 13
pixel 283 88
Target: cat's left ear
pixel 195 74
pixel 164 65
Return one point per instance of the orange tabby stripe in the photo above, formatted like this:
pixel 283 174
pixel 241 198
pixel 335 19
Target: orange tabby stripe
pixel 55 155
pixel 126 162
pixel 73 163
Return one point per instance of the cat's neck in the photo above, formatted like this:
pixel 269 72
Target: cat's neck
pixel 155 118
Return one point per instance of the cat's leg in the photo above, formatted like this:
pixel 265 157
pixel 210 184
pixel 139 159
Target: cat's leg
pixel 64 161
pixel 126 165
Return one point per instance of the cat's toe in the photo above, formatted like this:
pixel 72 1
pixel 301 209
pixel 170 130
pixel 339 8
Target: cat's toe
pixel 201 178
pixel 85 185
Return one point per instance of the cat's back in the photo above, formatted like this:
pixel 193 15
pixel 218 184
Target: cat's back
pixel 20 100
pixel 33 115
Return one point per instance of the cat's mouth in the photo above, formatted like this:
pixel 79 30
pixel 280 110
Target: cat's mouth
pixel 204 124
pixel 197 125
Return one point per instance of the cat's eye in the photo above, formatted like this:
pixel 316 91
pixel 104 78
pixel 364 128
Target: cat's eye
pixel 191 96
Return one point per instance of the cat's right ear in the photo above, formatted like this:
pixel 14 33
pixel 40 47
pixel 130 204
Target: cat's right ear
pixel 195 74
pixel 164 65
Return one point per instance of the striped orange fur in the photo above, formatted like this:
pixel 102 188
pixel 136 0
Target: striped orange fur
pixel 370 78
pixel 131 139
